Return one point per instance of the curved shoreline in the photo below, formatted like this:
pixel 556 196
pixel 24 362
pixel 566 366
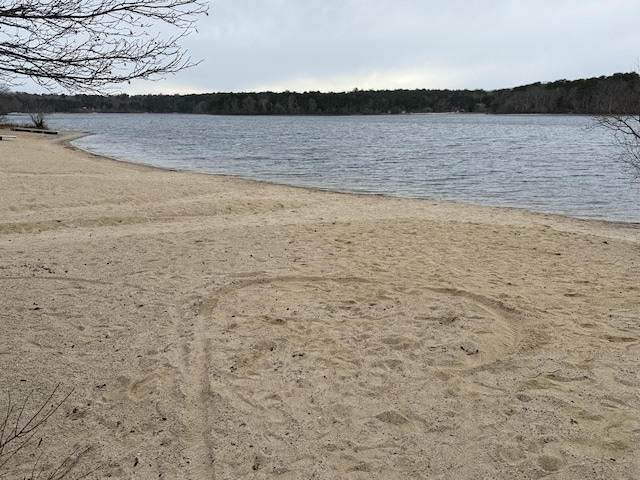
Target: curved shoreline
pixel 547 215
pixel 562 178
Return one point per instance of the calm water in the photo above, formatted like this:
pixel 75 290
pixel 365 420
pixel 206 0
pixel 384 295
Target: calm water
pixel 551 164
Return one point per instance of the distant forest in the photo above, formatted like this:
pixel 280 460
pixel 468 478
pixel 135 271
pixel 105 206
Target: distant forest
pixel 618 93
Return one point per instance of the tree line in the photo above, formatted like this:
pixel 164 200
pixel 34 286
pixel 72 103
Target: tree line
pixel 618 93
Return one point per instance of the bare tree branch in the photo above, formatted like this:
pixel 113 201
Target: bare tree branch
pixel 623 121
pixel 626 134
pixel 18 430
pixel 17 433
pixel 86 45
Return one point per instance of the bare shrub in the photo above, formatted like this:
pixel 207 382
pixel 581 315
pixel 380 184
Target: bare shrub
pixel 37 119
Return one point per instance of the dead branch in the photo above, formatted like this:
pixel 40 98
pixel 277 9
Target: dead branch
pixel 89 44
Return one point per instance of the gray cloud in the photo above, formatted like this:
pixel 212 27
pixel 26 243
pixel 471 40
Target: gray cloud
pixel 337 45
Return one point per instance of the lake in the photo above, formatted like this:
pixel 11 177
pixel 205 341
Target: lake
pixel 544 163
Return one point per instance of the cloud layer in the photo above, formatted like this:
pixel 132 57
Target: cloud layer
pixel 338 45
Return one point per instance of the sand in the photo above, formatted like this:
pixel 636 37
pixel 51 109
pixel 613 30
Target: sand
pixel 211 327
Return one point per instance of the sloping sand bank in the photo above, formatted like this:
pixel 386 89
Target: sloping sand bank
pixel 213 327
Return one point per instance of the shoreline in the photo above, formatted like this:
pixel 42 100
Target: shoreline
pixel 215 326
pixel 610 212
pixel 621 224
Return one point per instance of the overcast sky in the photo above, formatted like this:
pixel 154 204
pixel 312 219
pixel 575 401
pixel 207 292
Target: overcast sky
pixel 338 45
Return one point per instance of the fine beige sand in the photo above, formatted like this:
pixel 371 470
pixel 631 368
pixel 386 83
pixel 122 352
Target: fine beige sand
pixel 211 327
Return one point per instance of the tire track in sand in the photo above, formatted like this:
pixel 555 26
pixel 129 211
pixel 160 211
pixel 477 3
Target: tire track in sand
pixel 315 314
pixel 195 348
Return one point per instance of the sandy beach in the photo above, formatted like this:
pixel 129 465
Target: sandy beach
pixel 211 327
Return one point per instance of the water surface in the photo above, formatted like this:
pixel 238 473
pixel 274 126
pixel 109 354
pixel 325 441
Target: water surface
pixel 545 163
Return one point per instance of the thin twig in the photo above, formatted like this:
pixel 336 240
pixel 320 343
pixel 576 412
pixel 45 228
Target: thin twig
pixel 16 434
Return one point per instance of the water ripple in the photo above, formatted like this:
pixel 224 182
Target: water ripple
pixel 551 164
